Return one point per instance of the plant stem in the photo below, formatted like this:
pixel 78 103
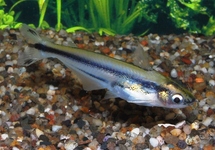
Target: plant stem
pixel 58 3
pixel 42 12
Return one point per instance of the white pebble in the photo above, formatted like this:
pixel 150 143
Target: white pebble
pixel 79 132
pixel 135 132
pixel 10 70
pixel 51 87
pixel 22 70
pixel 160 140
pixel 202 103
pixel 56 128
pixel 8 57
pixel 31 111
pixel 70 145
pixel 207 121
pixel 15 49
pixel 211 70
pixel 49 97
pixel 197 67
pixel 75 107
pixel 2 69
pixel 118 57
pixel 14 62
pixel 158 61
pixel 204 70
pixel 87 148
pixel 176 54
pixel 51 92
pixel 180 124
pixel 9 63
pixel 205 108
pixel 15 148
pixel 4 136
pixel 39 132
pixel 174 73
pixel 211 82
pixel 57 66
pixel 117 126
pixel 153 142
pixel 164 147
pixel 63 72
pixel 59 111
pixel 97 122
pixel 211 63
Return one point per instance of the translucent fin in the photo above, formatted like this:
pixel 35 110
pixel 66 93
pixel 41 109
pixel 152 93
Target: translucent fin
pixel 30 34
pixel 109 94
pixel 89 83
pixel 29 55
pixel 141 58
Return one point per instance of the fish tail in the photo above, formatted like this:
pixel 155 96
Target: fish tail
pixel 30 54
pixel 31 35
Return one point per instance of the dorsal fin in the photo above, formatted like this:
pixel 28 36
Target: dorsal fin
pixel 141 58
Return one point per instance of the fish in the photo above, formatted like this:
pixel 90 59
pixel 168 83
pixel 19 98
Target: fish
pixel 96 71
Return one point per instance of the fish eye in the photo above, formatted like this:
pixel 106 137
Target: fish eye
pixel 177 98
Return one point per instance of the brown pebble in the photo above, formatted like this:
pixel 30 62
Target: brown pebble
pixel 199 86
pixel 100 137
pixel 171 139
pixel 19 131
pixel 182 136
pixel 176 132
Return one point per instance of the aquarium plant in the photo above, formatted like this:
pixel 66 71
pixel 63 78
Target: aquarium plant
pixel 113 17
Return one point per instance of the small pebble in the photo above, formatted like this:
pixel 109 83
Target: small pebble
pixel 97 122
pixel 56 128
pixel 170 116
pixel 39 132
pixel 4 136
pixel 164 147
pixel 31 111
pixel 176 132
pixel 154 142
pixel 135 132
pixel 207 121
pixel 69 145
pixel 195 125
pixel 174 73
pixel 212 82
pixel 187 129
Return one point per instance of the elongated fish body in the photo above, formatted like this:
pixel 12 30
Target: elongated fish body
pixel 98 71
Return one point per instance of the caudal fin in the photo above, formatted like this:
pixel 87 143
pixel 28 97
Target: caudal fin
pixel 31 35
pixel 29 55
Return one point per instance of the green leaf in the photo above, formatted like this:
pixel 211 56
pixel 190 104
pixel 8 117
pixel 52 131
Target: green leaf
pixel 45 25
pixel 7 19
pixel 3 26
pixel 195 5
pixel 106 31
pixel 209 29
pixel 2 3
pixel 43 12
pixel 73 29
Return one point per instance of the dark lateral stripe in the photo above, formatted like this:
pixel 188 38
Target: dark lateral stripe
pixel 120 74
pixel 98 78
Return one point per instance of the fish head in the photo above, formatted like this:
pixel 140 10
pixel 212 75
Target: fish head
pixel 173 95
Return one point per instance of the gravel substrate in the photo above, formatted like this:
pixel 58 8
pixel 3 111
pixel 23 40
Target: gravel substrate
pixel 43 106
